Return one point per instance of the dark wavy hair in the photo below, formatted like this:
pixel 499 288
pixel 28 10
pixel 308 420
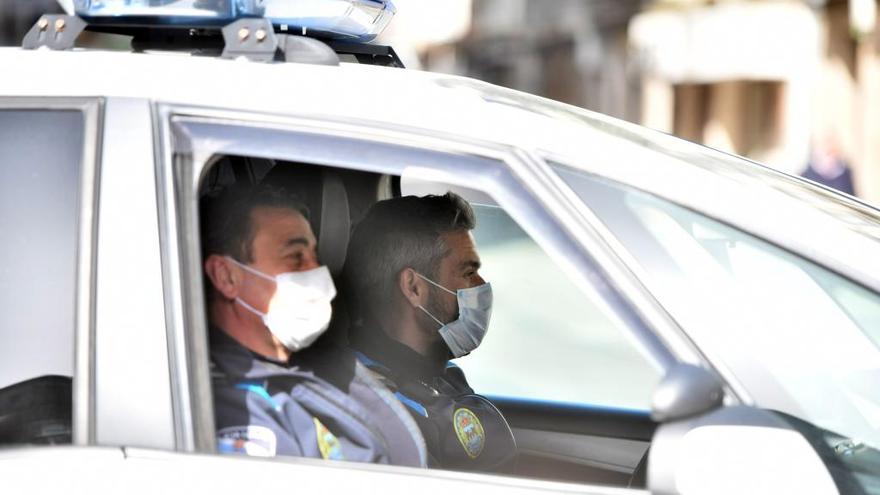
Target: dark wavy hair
pixel 396 234
pixel 226 220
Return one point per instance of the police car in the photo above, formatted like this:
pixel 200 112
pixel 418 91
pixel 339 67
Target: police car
pixel 668 317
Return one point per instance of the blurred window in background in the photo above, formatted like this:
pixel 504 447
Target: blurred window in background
pixel 742 117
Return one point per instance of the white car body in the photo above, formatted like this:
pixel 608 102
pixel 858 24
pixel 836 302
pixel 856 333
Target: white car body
pixel 140 423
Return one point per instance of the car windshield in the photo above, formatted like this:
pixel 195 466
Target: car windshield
pixel 799 338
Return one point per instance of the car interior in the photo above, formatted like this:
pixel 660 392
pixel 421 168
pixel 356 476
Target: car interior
pixel 556 441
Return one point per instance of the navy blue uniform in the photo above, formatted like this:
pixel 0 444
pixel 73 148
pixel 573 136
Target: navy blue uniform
pixel 322 404
pixel 462 430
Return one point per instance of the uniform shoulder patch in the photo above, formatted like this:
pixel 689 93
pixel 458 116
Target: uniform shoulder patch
pixel 328 444
pixel 469 431
pixel 251 440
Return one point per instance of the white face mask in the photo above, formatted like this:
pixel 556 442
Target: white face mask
pixel 300 311
pixel 464 334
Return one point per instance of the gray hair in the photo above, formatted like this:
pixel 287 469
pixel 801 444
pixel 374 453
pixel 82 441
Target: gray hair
pixel 396 234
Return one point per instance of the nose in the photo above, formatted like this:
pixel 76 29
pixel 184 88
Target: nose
pixel 479 280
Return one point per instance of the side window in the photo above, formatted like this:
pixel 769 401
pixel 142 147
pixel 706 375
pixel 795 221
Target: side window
pixel 548 340
pixel 557 363
pixel 39 208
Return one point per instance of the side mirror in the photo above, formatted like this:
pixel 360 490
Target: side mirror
pixel 686 391
pixel 702 446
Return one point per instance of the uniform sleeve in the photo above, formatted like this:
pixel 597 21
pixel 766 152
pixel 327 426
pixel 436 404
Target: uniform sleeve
pixel 249 422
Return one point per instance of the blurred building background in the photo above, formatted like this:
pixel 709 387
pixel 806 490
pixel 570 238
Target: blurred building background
pixel 773 80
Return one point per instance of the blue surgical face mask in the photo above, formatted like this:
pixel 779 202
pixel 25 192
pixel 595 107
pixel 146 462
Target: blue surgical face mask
pixel 464 334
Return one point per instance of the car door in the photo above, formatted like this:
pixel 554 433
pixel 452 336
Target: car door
pixel 564 435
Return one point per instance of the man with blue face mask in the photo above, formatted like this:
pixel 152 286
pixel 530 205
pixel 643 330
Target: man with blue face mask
pixel 276 391
pixel 418 301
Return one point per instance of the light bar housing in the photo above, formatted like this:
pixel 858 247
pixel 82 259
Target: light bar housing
pixel 353 20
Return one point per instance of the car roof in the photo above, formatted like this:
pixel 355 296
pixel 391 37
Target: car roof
pixel 785 210
pixel 446 105
pixel 350 91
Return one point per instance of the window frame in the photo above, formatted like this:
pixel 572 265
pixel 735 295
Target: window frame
pixel 130 306
pixel 83 384
pixel 190 136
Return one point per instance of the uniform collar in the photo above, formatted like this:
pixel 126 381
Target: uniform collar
pixel 320 361
pixel 236 360
pixel 394 356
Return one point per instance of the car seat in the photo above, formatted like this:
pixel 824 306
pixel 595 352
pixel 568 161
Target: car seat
pixel 37 411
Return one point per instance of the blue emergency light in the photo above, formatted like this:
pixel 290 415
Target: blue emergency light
pixel 356 20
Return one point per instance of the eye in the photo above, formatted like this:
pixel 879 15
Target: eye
pixel 296 259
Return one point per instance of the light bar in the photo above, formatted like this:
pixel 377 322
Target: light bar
pixel 357 20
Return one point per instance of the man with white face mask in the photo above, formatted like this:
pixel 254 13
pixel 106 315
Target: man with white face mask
pixel 412 276
pixel 275 393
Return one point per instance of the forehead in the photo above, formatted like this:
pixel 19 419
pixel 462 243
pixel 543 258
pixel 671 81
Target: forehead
pixel 279 224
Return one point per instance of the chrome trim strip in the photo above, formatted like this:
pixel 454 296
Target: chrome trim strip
pixel 84 396
pixel 310 469
pixel 192 408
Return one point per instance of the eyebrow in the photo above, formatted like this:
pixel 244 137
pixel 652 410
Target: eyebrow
pixel 471 264
pixel 296 241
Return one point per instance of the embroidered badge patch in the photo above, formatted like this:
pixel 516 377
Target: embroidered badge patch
pixel 328 444
pixel 469 431
pixel 257 441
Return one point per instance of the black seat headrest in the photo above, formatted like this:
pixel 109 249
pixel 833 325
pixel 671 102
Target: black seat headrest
pixel 335 225
pixel 323 192
pixel 37 411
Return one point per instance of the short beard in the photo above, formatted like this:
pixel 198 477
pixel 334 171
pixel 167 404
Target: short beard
pixel 436 308
pixel 439 351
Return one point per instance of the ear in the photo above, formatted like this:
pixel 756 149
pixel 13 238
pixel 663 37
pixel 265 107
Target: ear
pixel 412 287
pixel 224 277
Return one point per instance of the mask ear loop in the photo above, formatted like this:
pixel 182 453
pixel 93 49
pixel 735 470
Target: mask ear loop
pixel 426 279
pixel 258 273
pixel 252 270
pixel 250 308
pixel 432 316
